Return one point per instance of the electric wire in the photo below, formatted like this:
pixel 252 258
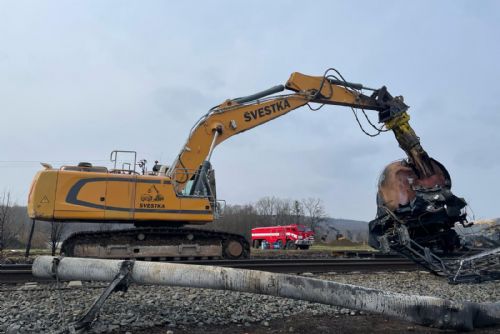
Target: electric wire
pixel 49 161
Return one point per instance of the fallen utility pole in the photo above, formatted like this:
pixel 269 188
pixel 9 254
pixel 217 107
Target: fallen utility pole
pixel 422 310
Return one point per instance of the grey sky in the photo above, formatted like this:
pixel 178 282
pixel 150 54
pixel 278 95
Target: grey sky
pixel 81 78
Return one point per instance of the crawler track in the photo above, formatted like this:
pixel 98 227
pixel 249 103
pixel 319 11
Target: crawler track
pixel 157 244
pixel 22 272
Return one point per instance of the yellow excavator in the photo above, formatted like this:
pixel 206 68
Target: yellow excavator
pixel 414 198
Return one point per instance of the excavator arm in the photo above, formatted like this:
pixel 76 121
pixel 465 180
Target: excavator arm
pixel 416 210
pixel 238 115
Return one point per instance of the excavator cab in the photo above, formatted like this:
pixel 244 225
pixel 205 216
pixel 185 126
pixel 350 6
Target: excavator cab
pixel 199 184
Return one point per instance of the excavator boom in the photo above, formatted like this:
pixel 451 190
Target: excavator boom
pixel 241 114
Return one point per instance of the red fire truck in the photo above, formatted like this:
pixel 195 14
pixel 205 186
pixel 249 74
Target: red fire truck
pixel 289 237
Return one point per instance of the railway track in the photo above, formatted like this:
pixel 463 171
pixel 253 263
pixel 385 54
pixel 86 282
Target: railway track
pixel 21 273
pixel 16 273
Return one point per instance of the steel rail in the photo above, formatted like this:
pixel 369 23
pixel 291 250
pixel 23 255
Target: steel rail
pixel 16 273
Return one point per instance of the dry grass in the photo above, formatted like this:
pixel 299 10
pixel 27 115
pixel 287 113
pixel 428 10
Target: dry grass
pixel 318 249
pixel 18 255
pixel 339 247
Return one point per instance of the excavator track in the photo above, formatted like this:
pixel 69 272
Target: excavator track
pixel 157 244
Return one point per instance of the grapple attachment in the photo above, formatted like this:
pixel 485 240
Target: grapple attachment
pixel 416 217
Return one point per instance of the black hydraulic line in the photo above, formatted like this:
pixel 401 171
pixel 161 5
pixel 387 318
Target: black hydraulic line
pixel 256 96
pixel 353 85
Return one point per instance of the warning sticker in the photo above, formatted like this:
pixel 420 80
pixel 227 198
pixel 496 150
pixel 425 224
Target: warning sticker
pixel 44 200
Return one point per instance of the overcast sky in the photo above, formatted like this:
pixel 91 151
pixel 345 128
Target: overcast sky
pixel 79 79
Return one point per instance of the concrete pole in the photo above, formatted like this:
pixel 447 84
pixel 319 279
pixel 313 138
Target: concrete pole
pixel 422 310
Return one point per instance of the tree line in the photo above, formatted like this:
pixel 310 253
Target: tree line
pixel 14 226
pixel 269 211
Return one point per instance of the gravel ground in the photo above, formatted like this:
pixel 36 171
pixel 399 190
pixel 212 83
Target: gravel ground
pixel 37 309
pixel 142 307
pixel 422 283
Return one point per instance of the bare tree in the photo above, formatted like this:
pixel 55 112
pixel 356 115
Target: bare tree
pixel 284 208
pixel 8 229
pixel 239 219
pixel 266 207
pixel 56 233
pixel 315 211
pixel 275 211
pixel 269 211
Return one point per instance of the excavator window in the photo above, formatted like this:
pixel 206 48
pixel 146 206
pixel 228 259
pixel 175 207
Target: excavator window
pixel 201 184
pixel 187 189
pixel 201 191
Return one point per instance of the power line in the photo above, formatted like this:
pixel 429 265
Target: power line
pixel 33 163
pixel 48 161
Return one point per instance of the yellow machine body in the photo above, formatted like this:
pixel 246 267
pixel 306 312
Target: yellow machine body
pixel 76 195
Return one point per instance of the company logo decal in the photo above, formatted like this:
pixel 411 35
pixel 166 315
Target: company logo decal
pixel 151 197
pixel 267 110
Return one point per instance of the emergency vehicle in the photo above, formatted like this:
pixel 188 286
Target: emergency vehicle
pixel 289 237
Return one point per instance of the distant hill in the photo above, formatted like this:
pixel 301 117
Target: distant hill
pixel 357 231
pixel 354 230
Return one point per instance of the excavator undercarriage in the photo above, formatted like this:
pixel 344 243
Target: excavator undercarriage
pixel 162 244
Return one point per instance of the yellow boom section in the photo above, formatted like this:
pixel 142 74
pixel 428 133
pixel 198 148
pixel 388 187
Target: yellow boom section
pixel 233 117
